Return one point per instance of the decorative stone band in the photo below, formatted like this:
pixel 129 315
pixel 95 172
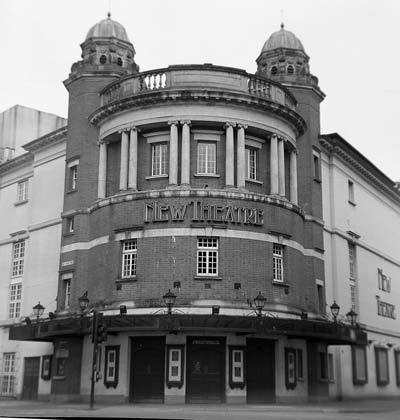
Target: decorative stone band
pixel 192 232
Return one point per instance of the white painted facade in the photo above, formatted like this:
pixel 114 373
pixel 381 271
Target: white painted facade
pixel 370 220
pixel 36 221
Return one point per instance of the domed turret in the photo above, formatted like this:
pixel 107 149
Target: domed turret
pixel 108 28
pixel 284 59
pixel 107 49
pixel 282 39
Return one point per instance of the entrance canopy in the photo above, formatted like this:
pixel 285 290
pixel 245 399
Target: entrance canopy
pixel 311 330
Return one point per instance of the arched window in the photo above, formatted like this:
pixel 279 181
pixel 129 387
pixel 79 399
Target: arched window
pixel 274 70
pixel 119 61
pixel 103 59
pixel 290 69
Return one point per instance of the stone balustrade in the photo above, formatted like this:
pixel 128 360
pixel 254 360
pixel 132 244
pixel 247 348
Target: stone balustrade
pixel 207 76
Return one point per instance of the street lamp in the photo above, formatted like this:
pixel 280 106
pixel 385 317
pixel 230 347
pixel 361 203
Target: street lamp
pixel 259 302
pixel 169 299
pixel 38 311
pixel 83 302
pixel 335 308
pixel 351 317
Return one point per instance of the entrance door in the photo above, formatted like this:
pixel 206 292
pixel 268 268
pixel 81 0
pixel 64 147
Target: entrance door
pixel 31 378
pixel 206 370
pixel 147 370
pixel 260 368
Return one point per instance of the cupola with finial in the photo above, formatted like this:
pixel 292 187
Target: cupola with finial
pixel 107 49
pixel 284 59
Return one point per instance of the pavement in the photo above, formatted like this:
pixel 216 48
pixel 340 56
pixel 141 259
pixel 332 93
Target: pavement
pixel 370 409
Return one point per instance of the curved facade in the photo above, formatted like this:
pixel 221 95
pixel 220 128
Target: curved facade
pixel 202 182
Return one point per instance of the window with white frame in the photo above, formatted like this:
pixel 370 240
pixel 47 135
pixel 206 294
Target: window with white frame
pixel 111 368
pixel 73 177
pixel 8 375
pixel 159 159
pixel 251 163
pixel 129 258
pixel 66 285
pixel 207 256
pixel 277 262
pixel 206 158
pixel 70 224
pixel 18 255
pixel 14 308
pixel 22 191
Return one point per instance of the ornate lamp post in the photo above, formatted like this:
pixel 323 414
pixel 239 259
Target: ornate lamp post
pixel 335 308
pixel 351 317
pixel 169 299
pixel 259 302
pixel 38 311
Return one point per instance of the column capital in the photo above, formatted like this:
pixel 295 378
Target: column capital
pixel 274 135
pixel 173 122
pixel 134 128
pixel 124 130
pixel 102 141
pixel 229 124
pixel 186 122
pixel 244 126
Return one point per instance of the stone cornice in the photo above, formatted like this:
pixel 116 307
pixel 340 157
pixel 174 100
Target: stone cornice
pixel 16 162
pixel 334 144
pixel 44 141
pixel 165 96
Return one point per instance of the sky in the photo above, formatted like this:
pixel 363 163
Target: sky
pixel 352 44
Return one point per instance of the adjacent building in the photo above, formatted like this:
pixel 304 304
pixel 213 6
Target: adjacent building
pixel 196 233
pixel 362 267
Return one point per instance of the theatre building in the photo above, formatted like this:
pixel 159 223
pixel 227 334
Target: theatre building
pixel 192 225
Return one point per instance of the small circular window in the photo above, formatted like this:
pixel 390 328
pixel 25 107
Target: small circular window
pixel 119 61
pixel 103 59
pixel 274 70
pixel 290 69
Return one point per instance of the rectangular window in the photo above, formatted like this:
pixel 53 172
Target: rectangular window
pixel 22 191
pixel 320 297
pixel 300 374
pixel 159 159
pixel 316 165
pixel 18 256
pixel 382 366
pixel 8 375
pixel 277 262
pixel 14 309
pixel 350 186
pixel 73 177
pixel 207 256
pixel 352 261
pixel 206 158
pixel 359 361
pixel 290 368
pixel 129 258
pixel 386 309
pixel 70 225
pixel 67 293
pixel 383 281
pixel 251 163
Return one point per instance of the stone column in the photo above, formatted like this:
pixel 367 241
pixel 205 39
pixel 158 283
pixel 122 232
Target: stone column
pixel 173 153
pixel 241 156
pixel 293 176
pixel 281 167
pixel 229 157
pixel 185 166
pixel 102 178
pixel 274 164
pixel 123 172
pixel 133 160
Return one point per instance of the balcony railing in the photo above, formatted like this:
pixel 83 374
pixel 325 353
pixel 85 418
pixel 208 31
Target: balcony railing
pixel 203 77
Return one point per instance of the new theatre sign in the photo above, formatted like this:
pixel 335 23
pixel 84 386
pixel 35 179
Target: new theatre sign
pixel 198 211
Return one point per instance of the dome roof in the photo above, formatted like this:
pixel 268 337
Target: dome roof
pixel 282 39
pixel 108 28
